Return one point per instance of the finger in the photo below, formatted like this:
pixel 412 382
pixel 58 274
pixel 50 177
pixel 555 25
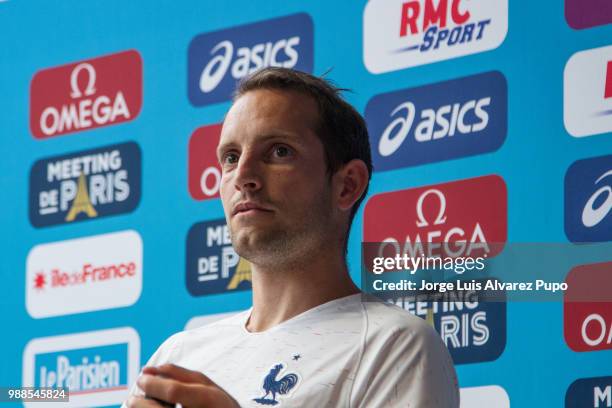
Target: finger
pixel 180 374
pixel 150 370
pixel 187 394
pixel 139 402
pixel 152 384
pixel 162 389
pixel 198 395
pixel 164 404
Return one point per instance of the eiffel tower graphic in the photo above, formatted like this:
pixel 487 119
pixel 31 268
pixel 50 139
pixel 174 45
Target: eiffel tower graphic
pixel 81 203
pixel 243 273
pixel 429 319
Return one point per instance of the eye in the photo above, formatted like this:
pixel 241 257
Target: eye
pixel 229 158
pixel 282 151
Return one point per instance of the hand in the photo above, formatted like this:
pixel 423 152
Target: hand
pixel 174 384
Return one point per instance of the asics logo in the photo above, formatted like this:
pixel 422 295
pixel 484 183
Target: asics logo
pixel 444 121
pixel 592 214
pixel 281 53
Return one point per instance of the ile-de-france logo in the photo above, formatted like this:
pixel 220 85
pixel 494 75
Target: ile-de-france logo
pixel 84 274
pixel 212 265
pixel 275 386
pixel 217 60
pixel 85 185
pixel 86 94
pixel 417 32
pixel 588 200
pixel 446 120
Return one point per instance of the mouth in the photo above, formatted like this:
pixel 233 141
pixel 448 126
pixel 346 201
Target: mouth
pixel 245 208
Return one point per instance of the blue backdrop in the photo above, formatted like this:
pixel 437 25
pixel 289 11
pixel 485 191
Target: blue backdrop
pixel 536 366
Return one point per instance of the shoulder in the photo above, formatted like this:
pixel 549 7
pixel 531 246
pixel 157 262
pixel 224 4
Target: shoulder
pixel 208 322
pixel 403 352
pixel 206 327
pixel 175 345
pixel 386 319
pixel 398 339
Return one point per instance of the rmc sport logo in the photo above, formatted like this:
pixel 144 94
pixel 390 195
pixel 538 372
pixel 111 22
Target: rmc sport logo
pixel 406 33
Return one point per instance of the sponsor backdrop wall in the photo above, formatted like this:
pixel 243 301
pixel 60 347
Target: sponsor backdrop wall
pixel 489 120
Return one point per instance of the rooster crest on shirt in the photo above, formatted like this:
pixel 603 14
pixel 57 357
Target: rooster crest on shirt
pixel 277 386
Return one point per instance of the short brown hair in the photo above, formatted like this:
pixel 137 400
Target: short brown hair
pixel 341 129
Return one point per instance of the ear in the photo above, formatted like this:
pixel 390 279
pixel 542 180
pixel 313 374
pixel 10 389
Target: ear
pixel 350 183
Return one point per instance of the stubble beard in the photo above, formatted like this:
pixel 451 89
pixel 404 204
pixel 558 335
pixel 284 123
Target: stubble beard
pixel 293 246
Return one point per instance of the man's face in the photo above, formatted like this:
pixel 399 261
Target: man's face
pixel 275 189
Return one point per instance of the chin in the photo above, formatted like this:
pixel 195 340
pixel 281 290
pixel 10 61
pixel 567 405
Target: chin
pixel 246 240
pixel 252 243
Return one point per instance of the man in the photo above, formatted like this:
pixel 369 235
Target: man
pixel 296 164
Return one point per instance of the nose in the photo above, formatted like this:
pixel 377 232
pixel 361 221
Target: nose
pixel 247 175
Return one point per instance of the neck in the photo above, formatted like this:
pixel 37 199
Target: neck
pixel 281 292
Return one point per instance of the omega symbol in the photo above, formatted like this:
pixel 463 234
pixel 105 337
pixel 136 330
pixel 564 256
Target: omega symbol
pixel 441 218
pixel 91 73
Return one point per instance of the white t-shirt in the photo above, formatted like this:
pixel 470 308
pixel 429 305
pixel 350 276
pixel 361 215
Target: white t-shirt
pixel 350 352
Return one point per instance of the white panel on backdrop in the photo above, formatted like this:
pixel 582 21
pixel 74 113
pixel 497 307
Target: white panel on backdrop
pixel 97 366
pixel 400 34
pixel 85 274
pixel 587 96
pixel 485 396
